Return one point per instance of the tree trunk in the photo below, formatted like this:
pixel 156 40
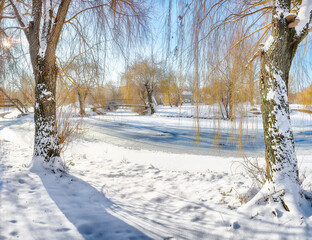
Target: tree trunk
pixel 46 150
pixel 82 97
pixel 276 59
pixel 149 91
pixel 150 103
pixel 230 102
pixel 43 33
pixel 282 190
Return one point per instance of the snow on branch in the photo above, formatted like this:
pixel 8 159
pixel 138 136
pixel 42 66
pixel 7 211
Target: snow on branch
pixel 305 16
pixel 47 21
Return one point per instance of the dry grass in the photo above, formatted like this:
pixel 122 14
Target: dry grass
pixel 257 173
pixel 254 170
pixel 66 128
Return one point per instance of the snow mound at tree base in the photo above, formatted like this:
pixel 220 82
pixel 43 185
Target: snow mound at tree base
pixel 286 203
pixel 56 165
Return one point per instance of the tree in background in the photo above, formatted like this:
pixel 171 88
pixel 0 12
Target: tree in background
pixel 82 76
pixel 171 87
pixel 26 87
pixel 142 77
pixel 304 97
pixel 230 84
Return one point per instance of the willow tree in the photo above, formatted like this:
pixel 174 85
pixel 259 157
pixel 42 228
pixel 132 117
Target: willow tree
pixel 276 57
pixel 144 75
pixel 82 75
pixel 42 22
pixel 285 23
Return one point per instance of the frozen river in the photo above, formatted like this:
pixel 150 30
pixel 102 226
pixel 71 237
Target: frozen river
pixel 178 135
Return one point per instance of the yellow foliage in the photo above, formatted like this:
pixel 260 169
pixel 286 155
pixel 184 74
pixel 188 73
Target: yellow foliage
pixel 304 97
pixel 171 92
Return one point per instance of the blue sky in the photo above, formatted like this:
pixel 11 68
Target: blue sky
pixel 156 44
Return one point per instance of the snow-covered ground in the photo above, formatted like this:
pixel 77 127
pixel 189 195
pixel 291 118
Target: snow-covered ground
pixel 136 177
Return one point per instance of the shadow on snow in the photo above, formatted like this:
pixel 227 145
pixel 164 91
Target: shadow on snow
pixel 87 208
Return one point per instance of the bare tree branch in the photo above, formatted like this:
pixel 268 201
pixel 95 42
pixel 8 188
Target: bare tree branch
pixel 20 18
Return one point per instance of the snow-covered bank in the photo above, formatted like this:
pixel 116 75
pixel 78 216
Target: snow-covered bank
pixel 113 192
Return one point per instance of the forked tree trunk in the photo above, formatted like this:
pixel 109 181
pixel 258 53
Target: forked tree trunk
pixel 43 33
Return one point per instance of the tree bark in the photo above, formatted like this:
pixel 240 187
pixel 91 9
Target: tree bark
pixel 276 59
pixel 46 138
pixel 82 98
pixel 149 91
